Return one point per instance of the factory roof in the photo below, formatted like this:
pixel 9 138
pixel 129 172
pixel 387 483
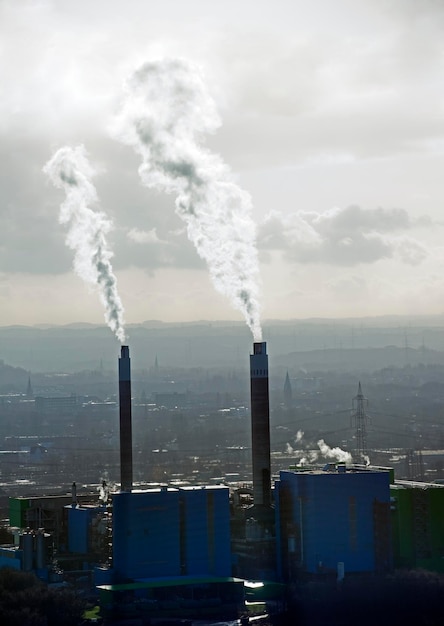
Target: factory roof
pixel 197 487
pixel 337 468
pixel 416 484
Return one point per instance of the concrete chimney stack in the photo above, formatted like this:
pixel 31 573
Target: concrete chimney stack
pixel 260 425
pixel 126 439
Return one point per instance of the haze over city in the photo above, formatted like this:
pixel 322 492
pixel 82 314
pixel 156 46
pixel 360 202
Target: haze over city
pixel 329 117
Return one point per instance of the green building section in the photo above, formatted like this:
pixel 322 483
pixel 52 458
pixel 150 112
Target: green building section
pixel 418 525
pixel 17 512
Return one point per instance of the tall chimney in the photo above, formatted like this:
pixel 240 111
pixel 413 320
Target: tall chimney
pixel 260 425
pixel 126 440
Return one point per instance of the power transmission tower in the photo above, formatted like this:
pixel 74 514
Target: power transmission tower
pixel 415 465
pixel 359 422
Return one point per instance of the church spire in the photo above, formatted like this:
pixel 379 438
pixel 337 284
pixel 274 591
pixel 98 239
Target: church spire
pixel 29 391
pixel 288 392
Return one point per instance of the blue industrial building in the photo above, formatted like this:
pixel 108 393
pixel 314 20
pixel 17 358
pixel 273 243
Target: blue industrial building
pixel 205 529
pixel 332 520
pixel 29 552
pixel 171 532
pixel 146 534
pixel 87 530
pixel 171 553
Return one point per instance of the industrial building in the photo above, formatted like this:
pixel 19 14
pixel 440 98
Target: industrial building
pixel 418 525
pixel 170 546
pixel 48 512
pixel 172 550
pixel 179 597
pixel 31 551
pixel 171 532
pixel 336 517
pixel 167 545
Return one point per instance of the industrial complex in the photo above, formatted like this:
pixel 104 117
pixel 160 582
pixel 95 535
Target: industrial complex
pixel 192 550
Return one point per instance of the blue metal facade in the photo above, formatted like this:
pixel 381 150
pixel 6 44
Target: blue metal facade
pixel 146 534
pixel 79 523
pixel 328 517
pixel 171 532
pixel 194 531
pixel 205 531
pixel 220 525
pixel 11 557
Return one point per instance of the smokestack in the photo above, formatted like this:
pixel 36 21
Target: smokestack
pixel 126 442
pixel 74 495
pixel 260 425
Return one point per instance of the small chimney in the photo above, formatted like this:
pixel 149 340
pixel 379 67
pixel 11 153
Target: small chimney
pixel 126 439
pixel 73 495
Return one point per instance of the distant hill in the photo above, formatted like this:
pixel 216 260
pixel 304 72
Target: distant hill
pixel 12 378
pixel 314 344
pixel 360 359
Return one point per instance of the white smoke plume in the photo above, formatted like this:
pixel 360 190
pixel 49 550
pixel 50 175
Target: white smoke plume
pixel 70 170
pixel 298 437
pixel 165 115
pixel 311 456
pixel 106 487
pixel 336 454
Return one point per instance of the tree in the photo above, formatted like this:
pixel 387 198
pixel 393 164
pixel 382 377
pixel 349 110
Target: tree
pixel 26 601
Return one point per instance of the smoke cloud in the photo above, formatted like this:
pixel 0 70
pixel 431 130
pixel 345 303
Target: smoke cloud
pixel 165 116
pixel 298 437
pixel 337 454
pixel 70 170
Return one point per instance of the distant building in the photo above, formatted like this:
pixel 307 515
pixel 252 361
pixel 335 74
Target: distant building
pixel 63 405
pixel 172 400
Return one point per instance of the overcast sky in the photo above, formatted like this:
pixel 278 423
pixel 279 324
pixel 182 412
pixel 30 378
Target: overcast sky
pixel 332 119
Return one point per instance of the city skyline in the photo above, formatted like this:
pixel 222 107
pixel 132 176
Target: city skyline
pixel 331 119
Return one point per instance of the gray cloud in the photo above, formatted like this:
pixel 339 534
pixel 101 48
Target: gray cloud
pixel 320 103
pixel 31 240
pixel 171 250
pixel 371 93
pixel 347 236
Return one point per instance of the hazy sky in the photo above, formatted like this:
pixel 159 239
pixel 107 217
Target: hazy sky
pixel 332 119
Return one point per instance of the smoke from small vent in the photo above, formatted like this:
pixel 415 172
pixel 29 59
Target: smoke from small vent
pixel 70 170
pixel 165 116
pixel 336 453
pixel 326 452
